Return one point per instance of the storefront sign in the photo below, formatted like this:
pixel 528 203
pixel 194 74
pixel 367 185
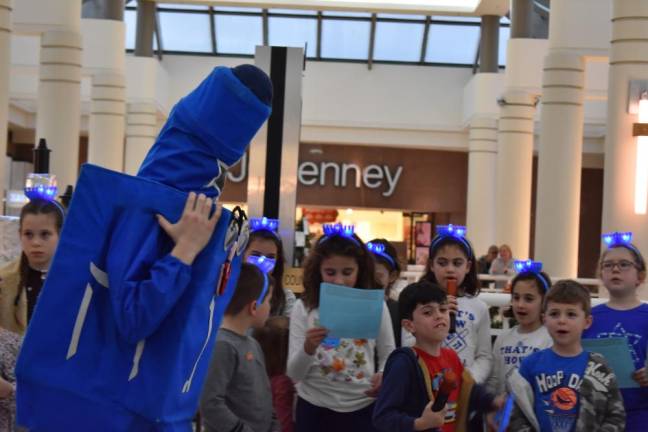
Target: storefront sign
pixel 372 176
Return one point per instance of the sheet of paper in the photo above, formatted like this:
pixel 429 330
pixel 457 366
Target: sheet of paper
pixel 350 312
pixel 617 354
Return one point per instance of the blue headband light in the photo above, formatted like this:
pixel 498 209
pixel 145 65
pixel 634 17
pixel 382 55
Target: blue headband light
pixel 266 265
pixel 41 186
pixel 456 232
pixel 617 239
pixel 265 224
pixel 378 249
pixel 339 230
pixel 533 267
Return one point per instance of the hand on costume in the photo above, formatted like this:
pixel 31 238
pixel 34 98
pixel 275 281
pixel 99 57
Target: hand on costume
pixel 194 229
pixel 314 337
pixel 376 382
pixel 6 389
pixel 641 376
pixel 430 419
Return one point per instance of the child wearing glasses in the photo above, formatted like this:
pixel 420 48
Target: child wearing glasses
pixel 622 271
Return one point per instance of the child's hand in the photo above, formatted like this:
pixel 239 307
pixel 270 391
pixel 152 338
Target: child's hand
pixel 430 419
pixel 641 376
pixel 452 304
pixel 194 229
pixel 376 382
pixel 499 402
pixel 314 338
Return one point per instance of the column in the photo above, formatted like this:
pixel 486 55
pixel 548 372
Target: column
pixel 559 164
pixel 141 130
pixel 5 69
pixel 58 114
pixel 107 121
pixel 482 168
pixel 514 171
pixel 628 61
pixel 145 28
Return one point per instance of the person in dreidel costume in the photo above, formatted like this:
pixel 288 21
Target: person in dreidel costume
pixel 124 329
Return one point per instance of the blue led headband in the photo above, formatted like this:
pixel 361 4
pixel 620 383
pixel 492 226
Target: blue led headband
pixel 378 249
pixel 456 232
pixel 339 230
pixel 617 239
pixel 532 267
pixel 266 265
pixel 264 224
pixel 42 186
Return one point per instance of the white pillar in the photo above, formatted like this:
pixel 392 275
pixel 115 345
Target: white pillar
pixel 628 61
pixel 482 168
pixel 141 131
pixel 107 121
pixel 559 164
pixel 5 67
pixel 514 171
pixel 58 114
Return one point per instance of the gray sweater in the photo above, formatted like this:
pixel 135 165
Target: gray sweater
pixel 237 396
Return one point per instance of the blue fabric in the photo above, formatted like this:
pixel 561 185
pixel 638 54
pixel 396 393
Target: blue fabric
pixel 556 384
pixel 146 322
pixel 633 325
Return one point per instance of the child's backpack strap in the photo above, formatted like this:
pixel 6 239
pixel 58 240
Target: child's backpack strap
pixel 426 374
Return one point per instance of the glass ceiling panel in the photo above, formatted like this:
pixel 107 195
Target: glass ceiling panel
pixel 345 39
pixel 452 44
pixel 505 34
pixel 293 32
pixel 294 11
pixel 185 32
pixel 238 34
pixel 346 14
pixel 130 20
pixel 181 6
pixel 398 41
pixel 402 16
pixel 237 9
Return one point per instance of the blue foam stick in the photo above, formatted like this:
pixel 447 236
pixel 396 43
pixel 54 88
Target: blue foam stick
pixel 503 416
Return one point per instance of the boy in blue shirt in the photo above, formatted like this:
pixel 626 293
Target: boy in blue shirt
pixel 564 388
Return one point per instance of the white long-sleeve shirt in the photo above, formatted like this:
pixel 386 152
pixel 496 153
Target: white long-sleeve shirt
pixel 510 348
pixel 340 371
pixel 471 341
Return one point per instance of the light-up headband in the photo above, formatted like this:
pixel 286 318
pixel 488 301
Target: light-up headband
pixel 378 249
pixel 531 267
pixel 43 187
pixel 266 265
pixel 339 230
pixel 456 232
pixel 264 224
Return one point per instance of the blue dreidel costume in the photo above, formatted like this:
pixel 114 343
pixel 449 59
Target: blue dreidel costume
pixel 123 331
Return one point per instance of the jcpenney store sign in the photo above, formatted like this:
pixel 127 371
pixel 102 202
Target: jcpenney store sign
pixel 382 177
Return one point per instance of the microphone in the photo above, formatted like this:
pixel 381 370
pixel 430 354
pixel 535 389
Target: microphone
pixel 449 382
pixel 451 289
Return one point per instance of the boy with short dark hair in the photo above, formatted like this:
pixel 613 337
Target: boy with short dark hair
pixel 237 395
pixel 564 388
pixel 413 376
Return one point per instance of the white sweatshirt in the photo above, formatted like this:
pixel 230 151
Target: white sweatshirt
pixel 511 347
pixel 338 374
pixel 472 340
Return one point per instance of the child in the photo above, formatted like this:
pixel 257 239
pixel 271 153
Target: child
pixel 564 388
pixel 387 272
pixel 273 339
pixel 452 259
pixel 21 280
pixel 337 378
pixel 622 270
pixel 413 376
pixel 264 241
pixel 237 392
pixel 512 346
